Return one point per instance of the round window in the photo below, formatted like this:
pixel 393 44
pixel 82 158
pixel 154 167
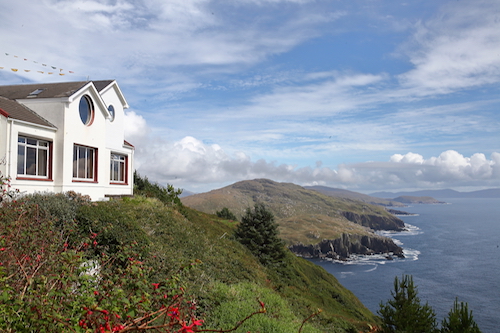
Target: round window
pixel 86 110
pixel 111 110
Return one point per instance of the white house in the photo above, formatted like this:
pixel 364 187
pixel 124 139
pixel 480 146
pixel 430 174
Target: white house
pixel 69 136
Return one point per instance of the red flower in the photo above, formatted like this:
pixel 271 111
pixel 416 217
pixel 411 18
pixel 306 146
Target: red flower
pixel 156 285
pixel 189 328
pixel 173 313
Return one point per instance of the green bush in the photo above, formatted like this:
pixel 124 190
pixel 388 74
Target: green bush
pixel 168 195
pixel 225 213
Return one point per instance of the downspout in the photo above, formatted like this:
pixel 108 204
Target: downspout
pixel 9 147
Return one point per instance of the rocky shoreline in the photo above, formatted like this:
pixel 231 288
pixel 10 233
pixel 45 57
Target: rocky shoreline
pixel 346 245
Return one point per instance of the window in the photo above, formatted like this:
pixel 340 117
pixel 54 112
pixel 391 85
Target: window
pixel 84 163
pixel 118 172
pixel 33 157
pixel 111 110
pixel 86 108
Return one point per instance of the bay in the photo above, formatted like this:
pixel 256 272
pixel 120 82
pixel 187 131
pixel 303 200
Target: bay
pixel 451 250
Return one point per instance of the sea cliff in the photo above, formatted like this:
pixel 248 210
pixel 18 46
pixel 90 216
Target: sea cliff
pixel 346 245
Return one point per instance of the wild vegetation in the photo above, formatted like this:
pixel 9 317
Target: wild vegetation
pixel 148 263
pixel 71 265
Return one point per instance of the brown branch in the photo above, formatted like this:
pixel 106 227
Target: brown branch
pixel 305 320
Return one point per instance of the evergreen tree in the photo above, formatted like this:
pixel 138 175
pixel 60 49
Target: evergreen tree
pixel 459 320
pixel 259 233
pixel 404 313
pixel 225 213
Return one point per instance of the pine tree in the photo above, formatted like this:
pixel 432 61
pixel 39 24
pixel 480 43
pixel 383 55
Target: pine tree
pixel 459 320
pixel 259 233
pixel 404 313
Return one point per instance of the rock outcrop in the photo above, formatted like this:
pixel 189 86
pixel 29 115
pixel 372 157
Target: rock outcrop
pixel 375 222
pixel 346 245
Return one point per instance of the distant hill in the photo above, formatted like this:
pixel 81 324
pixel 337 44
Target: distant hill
pixel 489 193
pixel 186 193
pixel 307 217
pixel 341 193
pixel 408 199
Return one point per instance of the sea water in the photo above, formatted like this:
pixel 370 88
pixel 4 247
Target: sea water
pixel 452 251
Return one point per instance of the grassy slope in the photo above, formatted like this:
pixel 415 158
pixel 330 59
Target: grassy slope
pixel 230 277
pixel 303 215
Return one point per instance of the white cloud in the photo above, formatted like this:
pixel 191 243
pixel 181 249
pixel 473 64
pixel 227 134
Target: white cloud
pixel 457 49
pixel 192 164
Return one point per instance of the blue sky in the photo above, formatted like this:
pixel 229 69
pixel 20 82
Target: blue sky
pixel 365 95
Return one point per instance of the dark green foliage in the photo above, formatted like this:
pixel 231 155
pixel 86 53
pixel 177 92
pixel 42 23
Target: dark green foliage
pixel 62 207
pixel 459 320
pixel 404 313
pixel 259 233
pixel 225 213
pixel 168 195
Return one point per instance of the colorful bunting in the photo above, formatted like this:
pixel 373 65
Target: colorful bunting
pixel 36 62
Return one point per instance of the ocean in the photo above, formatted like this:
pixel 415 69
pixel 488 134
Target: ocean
pixel 452 251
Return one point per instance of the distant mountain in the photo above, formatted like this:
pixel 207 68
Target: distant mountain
pixel 341 193
pixel 489 193
pixel 407 199
pixel 186 193
pixel 312 224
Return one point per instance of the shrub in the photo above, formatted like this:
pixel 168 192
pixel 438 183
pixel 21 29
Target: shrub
pixel 168 195
pixel 225 213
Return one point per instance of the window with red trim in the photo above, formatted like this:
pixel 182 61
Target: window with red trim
pixel 33 158
pixel 84 163
pixel 118 171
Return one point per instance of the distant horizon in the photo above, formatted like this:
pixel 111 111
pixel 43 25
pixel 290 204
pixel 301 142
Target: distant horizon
pixel 393 191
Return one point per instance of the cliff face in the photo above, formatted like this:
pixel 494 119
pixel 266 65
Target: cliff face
pixel 342 247
pixel 375 222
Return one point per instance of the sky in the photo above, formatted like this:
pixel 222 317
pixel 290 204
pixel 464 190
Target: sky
pixel 363 95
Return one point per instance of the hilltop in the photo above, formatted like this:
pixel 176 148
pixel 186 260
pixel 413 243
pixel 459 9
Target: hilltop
pixel 313 224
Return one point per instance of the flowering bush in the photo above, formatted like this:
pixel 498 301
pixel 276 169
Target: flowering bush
pixel 6 190
pixel 50 284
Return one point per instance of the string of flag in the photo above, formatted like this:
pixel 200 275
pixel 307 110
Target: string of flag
pixel 51 69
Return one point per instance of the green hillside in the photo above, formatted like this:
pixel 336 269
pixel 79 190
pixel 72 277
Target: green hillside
pixel 304 216
pixel 229 280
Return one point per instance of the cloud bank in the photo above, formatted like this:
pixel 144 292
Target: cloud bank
pixel 191 164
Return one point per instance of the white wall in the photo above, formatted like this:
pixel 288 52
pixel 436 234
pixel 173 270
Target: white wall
pixel 101 134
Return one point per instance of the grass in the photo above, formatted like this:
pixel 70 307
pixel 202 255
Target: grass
pixel 230 278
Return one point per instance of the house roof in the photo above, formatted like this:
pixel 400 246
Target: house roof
pixel 15 110
pixel 48 90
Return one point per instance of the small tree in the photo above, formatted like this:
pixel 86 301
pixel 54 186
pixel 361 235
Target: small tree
pixel 225 213
pixel 459 320
pixel 259 233
pixel 404 313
